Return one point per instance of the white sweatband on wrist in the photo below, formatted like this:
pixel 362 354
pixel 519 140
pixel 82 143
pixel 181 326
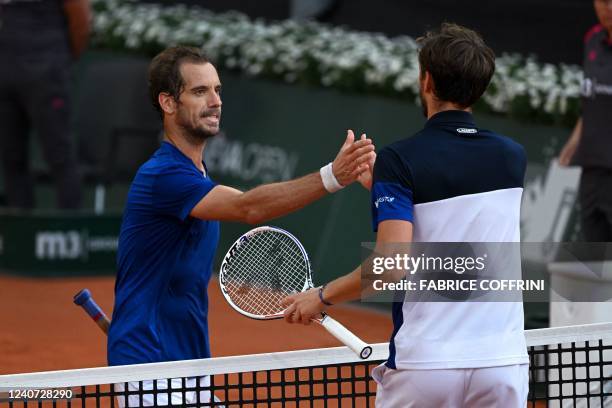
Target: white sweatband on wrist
pixel 329 180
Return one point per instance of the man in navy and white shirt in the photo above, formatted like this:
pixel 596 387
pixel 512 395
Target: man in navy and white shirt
pixel 451 182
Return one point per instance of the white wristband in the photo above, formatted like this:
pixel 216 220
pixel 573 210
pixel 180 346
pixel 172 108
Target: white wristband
pixel 329 180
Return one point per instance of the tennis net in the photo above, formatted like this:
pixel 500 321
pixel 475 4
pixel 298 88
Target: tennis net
pixel 569 366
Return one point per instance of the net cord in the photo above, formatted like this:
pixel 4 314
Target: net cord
pixel 260 362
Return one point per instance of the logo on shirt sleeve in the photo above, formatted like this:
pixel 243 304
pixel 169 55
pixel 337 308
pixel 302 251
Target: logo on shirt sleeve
pixel 384 199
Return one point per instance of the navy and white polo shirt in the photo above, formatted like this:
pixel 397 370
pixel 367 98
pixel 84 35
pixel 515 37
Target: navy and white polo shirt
pixel 454 183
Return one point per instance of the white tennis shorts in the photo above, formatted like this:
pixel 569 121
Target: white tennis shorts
pixel 162 395
pixel 505 386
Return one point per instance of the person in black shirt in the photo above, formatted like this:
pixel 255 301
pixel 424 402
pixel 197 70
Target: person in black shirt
pixel 590 144
pixel 39 39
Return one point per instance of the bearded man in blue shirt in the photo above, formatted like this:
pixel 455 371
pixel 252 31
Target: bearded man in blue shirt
pixel 170 226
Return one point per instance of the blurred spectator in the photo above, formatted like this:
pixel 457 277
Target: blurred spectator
pixel 39 39
pixel 590 144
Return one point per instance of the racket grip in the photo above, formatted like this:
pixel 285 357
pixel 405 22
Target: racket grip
pixel 84 299
pixel 361 348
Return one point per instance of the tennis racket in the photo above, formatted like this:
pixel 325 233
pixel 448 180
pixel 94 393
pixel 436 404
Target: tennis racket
pixel 265 265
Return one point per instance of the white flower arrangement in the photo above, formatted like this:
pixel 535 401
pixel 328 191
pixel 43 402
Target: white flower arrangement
pixel 327 56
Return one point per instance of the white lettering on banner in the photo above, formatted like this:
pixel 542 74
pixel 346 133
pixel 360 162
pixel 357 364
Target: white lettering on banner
pixel 103 244
pixel 250 161
pixel 66 245
pixel 58 245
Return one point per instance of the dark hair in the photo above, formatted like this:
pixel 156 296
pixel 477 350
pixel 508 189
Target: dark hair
pixel 459 62
pixel 165 72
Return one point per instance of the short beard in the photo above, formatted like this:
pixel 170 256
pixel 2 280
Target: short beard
pixel 195 135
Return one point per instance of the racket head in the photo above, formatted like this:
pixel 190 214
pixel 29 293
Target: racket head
pixel 262 267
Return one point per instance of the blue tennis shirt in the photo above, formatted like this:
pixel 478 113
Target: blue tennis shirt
pixel 164 265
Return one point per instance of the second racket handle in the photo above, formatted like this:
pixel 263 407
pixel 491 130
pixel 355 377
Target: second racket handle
pixel 360 347
pixel 84 299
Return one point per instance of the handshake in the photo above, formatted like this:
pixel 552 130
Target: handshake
pixel 354 162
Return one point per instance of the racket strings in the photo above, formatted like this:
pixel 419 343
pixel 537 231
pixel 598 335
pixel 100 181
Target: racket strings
pixel 263 270
pixel 257 273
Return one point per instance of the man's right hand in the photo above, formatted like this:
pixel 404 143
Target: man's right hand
pixel 353 158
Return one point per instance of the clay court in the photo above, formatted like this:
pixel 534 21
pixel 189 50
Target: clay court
pixel 43 330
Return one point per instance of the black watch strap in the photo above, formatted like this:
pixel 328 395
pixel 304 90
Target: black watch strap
pixel 325 302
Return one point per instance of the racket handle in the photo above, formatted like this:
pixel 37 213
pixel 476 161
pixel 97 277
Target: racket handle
pixel 84 299
pixel 361 348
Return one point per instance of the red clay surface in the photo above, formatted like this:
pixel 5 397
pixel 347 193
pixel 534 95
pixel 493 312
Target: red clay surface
pixel 41 329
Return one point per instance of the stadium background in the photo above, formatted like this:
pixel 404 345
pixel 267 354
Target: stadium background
pixel 271 131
